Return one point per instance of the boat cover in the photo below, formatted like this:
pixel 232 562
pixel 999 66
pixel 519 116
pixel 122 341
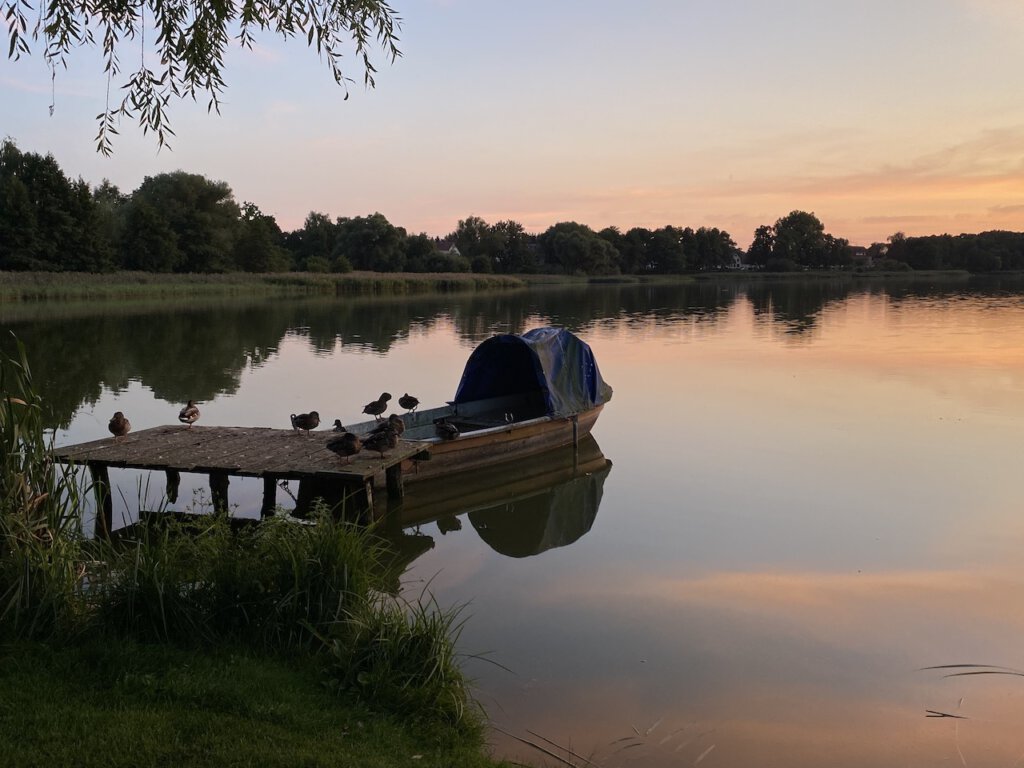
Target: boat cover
pixel 551 361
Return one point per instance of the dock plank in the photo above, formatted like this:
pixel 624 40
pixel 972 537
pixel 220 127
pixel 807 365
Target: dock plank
pixel 244 451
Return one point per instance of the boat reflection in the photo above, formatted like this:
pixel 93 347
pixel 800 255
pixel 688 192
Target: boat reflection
pixel 519 509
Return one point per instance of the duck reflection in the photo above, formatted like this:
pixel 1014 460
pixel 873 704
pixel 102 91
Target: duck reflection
pixel 520 509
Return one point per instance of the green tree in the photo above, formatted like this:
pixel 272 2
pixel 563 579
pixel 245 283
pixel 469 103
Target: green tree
pixel 201 215
pixel 258 247
pixel 371 242
pixel 578 249
pixel 419 249
pixel 315 240
pixel 762 247
pixel 665 251
pixel 189 39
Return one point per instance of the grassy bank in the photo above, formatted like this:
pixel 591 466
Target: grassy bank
pixel 34 286
pixel 192 639
pixel 114 705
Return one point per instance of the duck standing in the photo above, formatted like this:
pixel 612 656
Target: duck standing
pixel 345 445
pixel 189 414
pixel 306 421
pixel 381 441
pixel 408 402
pixel 378 406
pixel 119 425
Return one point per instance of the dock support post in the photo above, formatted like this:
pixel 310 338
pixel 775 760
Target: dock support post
pixel 104 503
pixel 269 496
pixel 173 483
pixel 393 476
pixel 219 491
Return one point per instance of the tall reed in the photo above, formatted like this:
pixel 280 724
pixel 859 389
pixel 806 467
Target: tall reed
pixel 41 558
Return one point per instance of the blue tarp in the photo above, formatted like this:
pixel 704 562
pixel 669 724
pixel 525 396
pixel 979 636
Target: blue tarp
pixel 551 362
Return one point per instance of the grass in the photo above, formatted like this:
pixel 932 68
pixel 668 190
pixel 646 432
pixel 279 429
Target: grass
pixel 117 704
pixel 36 286
pixel 126 645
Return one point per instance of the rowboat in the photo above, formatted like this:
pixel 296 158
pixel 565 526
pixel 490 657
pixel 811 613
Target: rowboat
pixel 519 395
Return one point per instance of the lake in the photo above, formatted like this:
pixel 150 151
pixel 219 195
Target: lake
pixel 814 495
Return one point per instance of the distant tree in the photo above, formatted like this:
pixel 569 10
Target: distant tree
pixel 665 251
pixel 315 239
pixel 513 253
pixel 201 214
pixel 761 249
pixel 188 39
pixel 709 249
pixel 633 257
pixel 259 245
pixel 419 250
pixel 578 249
pixel 371 242
pixel 148 243
pixel 47 221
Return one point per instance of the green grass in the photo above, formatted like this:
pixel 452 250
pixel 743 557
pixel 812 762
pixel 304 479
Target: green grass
pixel 122 704
pixel 35 286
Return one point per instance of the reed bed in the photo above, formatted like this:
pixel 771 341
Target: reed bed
pixel 38 286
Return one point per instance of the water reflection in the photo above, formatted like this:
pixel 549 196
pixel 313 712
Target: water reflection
pixel 519 509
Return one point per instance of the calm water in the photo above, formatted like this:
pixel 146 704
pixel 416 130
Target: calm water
pixel 815 492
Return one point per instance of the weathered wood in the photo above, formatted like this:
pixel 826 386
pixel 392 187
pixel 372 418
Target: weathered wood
pixel 104 523
pixel 393 477
pixel 219 483
pixel 269 496
pixel 173 483
pixel 243 451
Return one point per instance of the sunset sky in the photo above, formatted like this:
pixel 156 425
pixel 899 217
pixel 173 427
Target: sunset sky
pixel 878 116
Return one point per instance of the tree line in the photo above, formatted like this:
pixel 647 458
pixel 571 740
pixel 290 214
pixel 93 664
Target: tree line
pixel 184 222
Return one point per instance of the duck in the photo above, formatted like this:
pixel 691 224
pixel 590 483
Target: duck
pixel 408 402
pixel 346 445
pixel 394 422
pixel 445 429
pixel 189 414
pixel 381 441
pixel 306 421
pixel 119 425
pixel 338 426
pixel 378 406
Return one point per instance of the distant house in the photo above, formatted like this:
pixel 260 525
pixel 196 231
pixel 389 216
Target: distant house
pixel 447 246
pixel 860 256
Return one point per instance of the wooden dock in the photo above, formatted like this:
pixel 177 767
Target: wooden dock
pixel 223 452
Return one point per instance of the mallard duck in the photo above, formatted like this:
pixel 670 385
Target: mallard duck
pixel 445 430
pixel 119 425
pixel 393 422
pixel 408 402
pixel 306 421
pixel 346 445
pixel 338 426
pixel 381 441
pixel 189 414
pixel 378 406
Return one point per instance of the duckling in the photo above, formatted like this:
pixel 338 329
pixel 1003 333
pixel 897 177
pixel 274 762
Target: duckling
pixel 445 430
pixel 189 414
pixel 338 426
pixel 381 441
pixel 378 406
pixel 346 446
pixel 119 425
pixel 306 421
pixel 408 402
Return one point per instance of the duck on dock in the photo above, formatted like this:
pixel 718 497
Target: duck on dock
pixel 306 421
pixel 394 422
pixel 119 425
pixel 338 426
pixel 381 441
pixel 346 446
pixel 408 402
pixel 189 414
pixel 378 406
